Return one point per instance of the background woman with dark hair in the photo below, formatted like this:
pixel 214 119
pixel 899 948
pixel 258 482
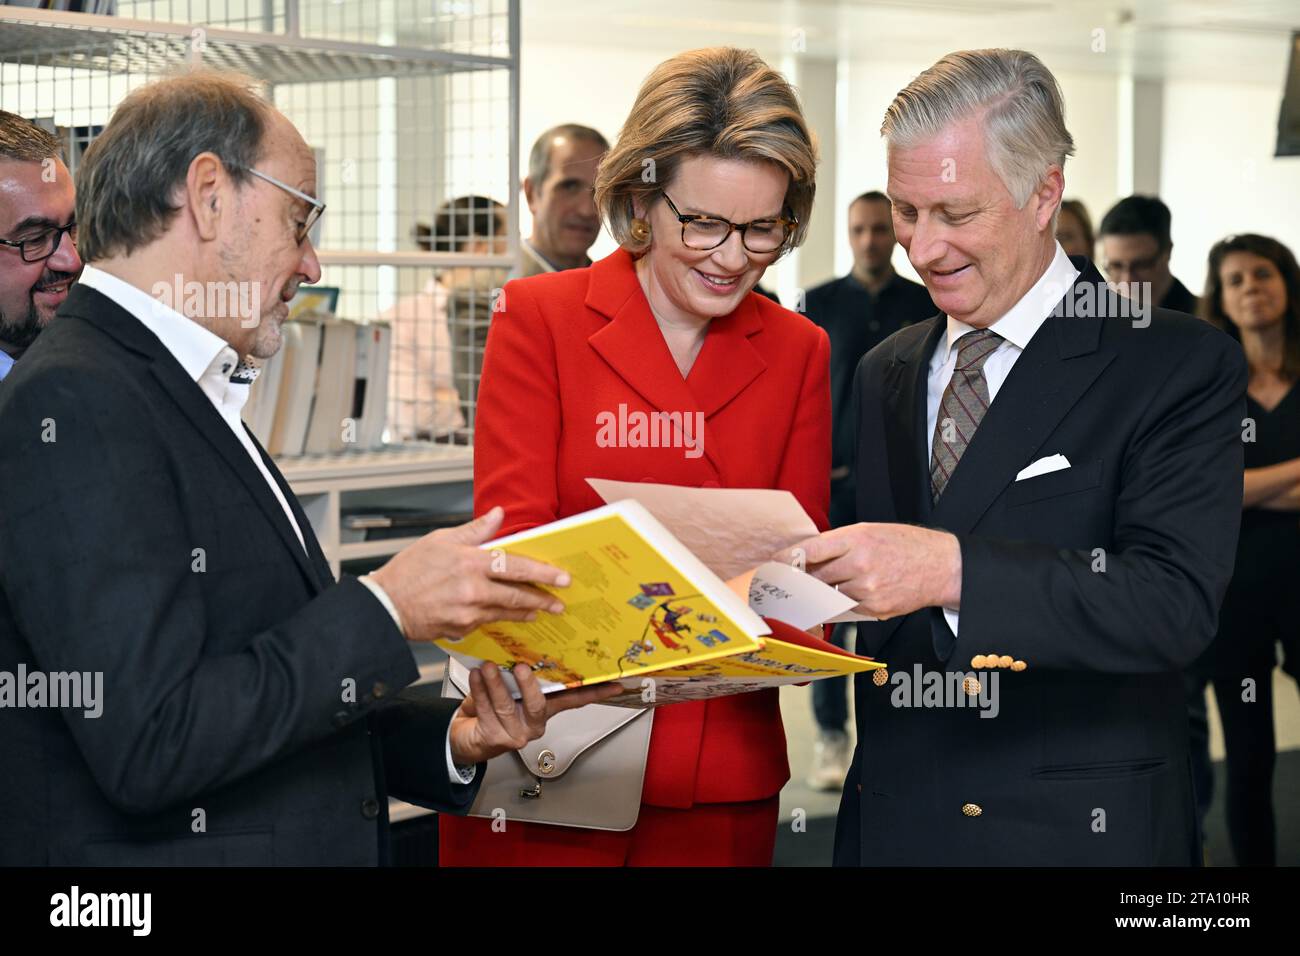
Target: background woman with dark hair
pixel 1253 293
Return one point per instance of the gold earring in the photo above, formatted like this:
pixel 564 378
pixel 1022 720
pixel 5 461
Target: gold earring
pixel 640 230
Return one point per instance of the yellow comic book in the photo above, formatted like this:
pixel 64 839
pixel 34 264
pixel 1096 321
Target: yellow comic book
pixel 639 602
pixel 643 610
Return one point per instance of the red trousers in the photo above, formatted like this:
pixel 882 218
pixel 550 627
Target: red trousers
pixel 707 834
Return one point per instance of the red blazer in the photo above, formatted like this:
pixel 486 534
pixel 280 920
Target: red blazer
pixel 571 345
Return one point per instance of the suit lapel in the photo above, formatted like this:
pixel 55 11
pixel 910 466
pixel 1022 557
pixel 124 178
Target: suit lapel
pixel 634 347
pixel 196 406
pixel 727 362
pixel 726 365
pixel 320 564
pixel 112 319
pixel 906 447
pixel 906 444
pixel 1058 366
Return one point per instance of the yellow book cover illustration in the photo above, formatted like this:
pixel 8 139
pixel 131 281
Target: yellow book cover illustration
pixel 639 602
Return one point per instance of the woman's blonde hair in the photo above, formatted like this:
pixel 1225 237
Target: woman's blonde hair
pixel 721 102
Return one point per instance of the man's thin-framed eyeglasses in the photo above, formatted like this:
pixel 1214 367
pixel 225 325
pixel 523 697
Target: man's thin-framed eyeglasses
pixel 763 236
pixel 317 207
pixel 43 245
pixel 1134 266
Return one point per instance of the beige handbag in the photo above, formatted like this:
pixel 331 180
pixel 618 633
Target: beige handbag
pixel 543 782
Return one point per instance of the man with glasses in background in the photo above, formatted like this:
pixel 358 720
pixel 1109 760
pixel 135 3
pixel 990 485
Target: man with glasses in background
pixel 1135 246
pixel 38 234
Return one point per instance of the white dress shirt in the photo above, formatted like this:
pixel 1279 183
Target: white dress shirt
pixel 209 360
pixel 1017 327
pixel 6 364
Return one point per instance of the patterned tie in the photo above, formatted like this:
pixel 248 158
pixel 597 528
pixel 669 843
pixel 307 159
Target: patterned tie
pixel 245 372
pixel 964 403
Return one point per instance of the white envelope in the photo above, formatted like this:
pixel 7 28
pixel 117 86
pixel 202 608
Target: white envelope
pixel 1044 466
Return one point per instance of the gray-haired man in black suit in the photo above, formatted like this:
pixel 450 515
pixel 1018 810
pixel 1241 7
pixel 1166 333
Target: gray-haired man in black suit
pixel 1048 496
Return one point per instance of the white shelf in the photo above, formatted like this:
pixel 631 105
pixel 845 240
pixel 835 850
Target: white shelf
pixel 395 465
pixel 435 476
pixel 353 550
pixel 120 45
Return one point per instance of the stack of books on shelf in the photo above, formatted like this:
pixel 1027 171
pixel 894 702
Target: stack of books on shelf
pixel 325 391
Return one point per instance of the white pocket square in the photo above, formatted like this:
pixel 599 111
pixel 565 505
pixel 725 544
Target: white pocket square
pixel 1044 466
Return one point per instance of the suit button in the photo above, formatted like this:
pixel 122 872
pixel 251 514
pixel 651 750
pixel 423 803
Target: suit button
pixel 880 677
pixel 341 718
pixel 546 762
pixel 379 691
pixel 370 808
pixel 1018 665
pixel 971 809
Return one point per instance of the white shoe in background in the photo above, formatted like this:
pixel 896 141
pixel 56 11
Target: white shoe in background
pixel 830 760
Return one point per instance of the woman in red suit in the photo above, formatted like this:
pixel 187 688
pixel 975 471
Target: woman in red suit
pixel 710 183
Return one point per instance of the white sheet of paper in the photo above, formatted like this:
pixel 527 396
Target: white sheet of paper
pixel 795 597
pixel 731 530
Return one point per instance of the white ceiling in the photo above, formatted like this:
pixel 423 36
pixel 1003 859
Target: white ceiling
pixel 1241 40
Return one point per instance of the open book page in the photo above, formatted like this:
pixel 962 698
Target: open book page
pixel 793 658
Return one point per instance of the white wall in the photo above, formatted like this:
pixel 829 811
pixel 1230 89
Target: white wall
pixel 594 86
pixel 1218 173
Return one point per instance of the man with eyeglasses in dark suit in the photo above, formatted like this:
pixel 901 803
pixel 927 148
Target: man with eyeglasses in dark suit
pixel 255 709
pixel 38 234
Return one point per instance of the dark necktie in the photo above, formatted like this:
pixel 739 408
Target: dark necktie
pixel 962 407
